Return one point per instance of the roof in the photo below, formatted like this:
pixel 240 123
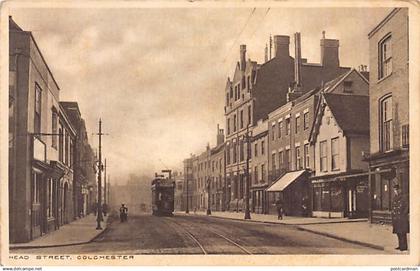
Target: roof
pixel 284 181
pixel 351 112
pixel 384 21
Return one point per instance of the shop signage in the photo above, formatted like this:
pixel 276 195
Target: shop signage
pixel 361 188
pixel 39 149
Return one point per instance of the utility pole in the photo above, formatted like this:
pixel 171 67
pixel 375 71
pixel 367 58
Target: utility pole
pixel 99 217
pixel 208 199
pixel 108 188
pixel 105 194
pixel 187 177
pixel 247 211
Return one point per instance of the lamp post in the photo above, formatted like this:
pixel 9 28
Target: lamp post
pixel 208 200
pixel 247 192
pixel 99 217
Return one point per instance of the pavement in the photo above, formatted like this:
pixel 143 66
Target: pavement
pixel 80 231
pixel 356 231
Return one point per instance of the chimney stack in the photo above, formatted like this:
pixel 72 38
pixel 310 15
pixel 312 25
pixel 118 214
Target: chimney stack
pixel 220 136
pixel 242 51
pixel 298 60
pixel 281 46
pixel 329 52
pixel 266 53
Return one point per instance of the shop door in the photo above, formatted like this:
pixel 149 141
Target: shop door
pixel 36 213
pixel 362 200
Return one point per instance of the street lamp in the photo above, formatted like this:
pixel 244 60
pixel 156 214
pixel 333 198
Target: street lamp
pixel 247 212
pixel 208 200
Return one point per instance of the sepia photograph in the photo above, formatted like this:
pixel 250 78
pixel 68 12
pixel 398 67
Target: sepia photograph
pixel 258 132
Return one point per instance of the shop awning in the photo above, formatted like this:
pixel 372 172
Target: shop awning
pixel 285 180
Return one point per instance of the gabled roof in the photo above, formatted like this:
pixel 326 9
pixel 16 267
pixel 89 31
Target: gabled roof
pixel 351 112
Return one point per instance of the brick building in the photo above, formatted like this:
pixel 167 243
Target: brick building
pixel 389 107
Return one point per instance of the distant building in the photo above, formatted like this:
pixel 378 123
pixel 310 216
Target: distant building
pixel 179 188
pixel 258 168
pixel 389 107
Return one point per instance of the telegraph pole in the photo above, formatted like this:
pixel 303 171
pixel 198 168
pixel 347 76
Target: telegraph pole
pixel 108 188
pixel 99 218
pixel 105 194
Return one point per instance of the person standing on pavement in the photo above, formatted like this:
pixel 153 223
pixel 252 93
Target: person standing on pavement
pixel 279 205
pixel 399 212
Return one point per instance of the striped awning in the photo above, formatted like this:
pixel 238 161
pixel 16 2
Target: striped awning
pixel 284 181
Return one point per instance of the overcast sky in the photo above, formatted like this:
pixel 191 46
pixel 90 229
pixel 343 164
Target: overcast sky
pixel 156 77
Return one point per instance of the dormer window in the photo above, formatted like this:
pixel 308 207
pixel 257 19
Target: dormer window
pixel 348 86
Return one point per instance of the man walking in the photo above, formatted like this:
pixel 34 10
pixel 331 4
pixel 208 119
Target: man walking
pixel 279 205
pixel 400 223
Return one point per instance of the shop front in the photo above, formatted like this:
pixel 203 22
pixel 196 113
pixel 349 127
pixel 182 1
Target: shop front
pixel 292 189
pixel 258 198
pixel 340 196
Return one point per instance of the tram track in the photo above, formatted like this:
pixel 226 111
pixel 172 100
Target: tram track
pixel 196 237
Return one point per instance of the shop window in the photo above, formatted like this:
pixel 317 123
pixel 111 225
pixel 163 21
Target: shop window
pixel 317 197
pixel 337 200
pixel 385 57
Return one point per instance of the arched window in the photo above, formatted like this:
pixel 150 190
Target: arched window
pixel 386 123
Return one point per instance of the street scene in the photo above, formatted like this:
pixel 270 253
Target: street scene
pixel 209 131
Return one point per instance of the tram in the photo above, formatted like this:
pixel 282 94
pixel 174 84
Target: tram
pixel 163 193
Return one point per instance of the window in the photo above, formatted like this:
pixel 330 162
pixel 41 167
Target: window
pixel 281 159
pixel 323 155
pixel 227 98
pixel 273 132
pixel 298 158
pixel 297 124
pixel 306 154
pixel 273 162
pixel 256 175
pixel 287 126
pixel 249 82
pixel 50 193
pixel 305 120
pixel 54 129
pixel 249 114
pixel 385 57
pixel 60 145
pixel 241 154
pixel 287 160
pixel 405 136
pixel 231 92
pixel 243 81
pixel 256 150
pixel 234 152
pixel 386 124
pixel 334 154
pixel 234 123
pixel 262 173
pixel 37 110
pixel 347 86
pixel 66 149
pixel 262 148
pixel 280 128
pixel 71 153
pixel 242 119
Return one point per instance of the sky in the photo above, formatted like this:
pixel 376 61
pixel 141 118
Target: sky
pixel 156 76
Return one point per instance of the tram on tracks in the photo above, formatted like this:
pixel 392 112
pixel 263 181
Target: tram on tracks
pixel 163 194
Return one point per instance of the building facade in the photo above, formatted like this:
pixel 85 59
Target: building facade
pixel 389 107
pixel 340 138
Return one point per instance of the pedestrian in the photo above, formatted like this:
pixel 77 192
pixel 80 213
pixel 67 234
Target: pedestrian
pixel 123 213
pixel 400 222
pixel 279 205
pixel 305 211
pixel 105 209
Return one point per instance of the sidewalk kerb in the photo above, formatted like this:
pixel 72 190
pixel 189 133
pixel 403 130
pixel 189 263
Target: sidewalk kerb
pixel 99 233
pixel 342 238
